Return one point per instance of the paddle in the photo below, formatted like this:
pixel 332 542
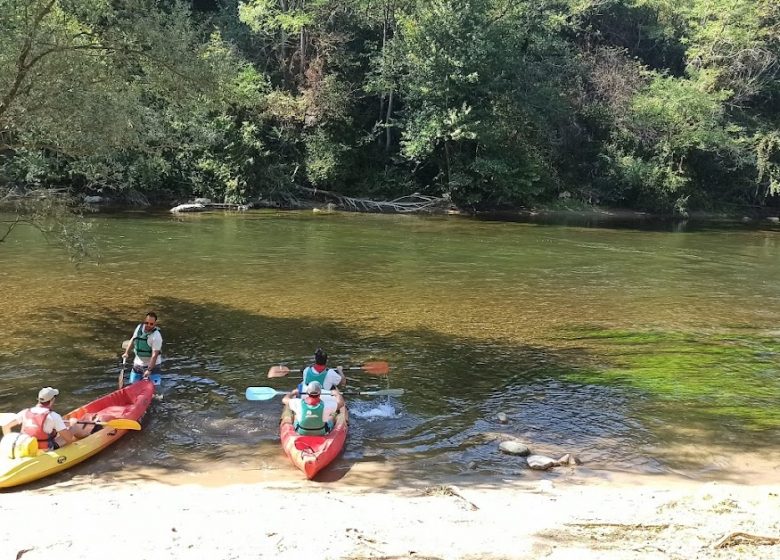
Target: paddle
pixel 267 393
pixel 122 373
pixel 371 368
pixel 118 423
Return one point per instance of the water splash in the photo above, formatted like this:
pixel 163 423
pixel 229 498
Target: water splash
pixel 373 411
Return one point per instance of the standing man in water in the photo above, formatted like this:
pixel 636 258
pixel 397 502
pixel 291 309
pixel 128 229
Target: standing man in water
pixel 147 344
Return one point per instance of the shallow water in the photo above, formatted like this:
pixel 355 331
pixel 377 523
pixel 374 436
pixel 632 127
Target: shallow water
pixel 640 350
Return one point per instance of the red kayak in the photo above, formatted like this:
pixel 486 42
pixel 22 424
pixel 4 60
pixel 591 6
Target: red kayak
pixel 128 403
pixel 311 454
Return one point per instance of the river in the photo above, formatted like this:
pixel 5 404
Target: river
pixel 641 349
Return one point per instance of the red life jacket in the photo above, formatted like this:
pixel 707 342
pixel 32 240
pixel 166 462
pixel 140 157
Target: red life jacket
pixel 32 425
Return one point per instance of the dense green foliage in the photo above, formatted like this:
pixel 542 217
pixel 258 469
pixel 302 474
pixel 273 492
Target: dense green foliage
pixel 649 104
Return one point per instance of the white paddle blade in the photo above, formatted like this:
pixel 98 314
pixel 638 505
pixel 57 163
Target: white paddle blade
pixel 6 417
pixel 383 393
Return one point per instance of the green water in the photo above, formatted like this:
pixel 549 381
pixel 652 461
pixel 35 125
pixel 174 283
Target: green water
pixel 625 346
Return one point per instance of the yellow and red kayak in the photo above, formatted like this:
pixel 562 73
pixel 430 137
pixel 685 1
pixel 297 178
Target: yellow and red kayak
pixel 311 454
pixel 130 402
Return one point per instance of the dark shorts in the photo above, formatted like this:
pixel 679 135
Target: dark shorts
pixel 137 374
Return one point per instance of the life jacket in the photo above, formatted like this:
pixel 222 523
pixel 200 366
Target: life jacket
pixel 310 374
pixel 311 422
pixel 32 425
pixel 140 343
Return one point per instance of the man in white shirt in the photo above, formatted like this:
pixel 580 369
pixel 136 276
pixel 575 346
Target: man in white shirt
pixel 42 423
pixel 314 414
pixel 146 343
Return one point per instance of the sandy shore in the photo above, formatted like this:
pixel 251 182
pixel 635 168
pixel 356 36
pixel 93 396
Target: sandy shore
pixel 147 516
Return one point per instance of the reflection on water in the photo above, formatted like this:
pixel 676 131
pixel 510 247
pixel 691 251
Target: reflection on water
pixel 614 344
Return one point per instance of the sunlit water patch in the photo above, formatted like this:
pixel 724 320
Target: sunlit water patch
pixel 639 350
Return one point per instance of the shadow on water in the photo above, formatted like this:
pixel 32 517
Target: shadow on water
pixel 636 221
pixel 443 429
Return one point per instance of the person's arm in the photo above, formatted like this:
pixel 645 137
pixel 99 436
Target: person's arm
pixel 152 363
pixel 339 399
pixel 61 428
pixel 343 381
pixel 155 341
pixel 129 346
pixel 291 395
pixel 66 435
pixel 10 425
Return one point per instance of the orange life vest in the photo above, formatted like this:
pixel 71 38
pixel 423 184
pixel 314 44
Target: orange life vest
pixel 32 425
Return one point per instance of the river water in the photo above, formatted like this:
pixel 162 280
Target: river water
pixel 648 350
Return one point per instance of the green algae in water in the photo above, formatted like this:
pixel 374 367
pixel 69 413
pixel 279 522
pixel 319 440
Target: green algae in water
pixel 727 378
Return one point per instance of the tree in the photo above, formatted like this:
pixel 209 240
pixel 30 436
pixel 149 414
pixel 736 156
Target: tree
pixel 93 92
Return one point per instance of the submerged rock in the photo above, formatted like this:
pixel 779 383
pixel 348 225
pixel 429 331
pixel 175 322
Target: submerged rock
pixel 503 418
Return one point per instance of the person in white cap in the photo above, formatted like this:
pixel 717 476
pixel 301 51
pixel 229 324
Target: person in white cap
pixel 42 423
pixel 314 415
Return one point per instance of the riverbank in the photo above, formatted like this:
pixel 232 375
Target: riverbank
pixel 137 517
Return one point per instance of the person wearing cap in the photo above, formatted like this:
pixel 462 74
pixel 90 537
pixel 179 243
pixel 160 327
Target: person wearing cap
pixel 327 377
pixel 313 415
pixel 42 423
pixel 146 343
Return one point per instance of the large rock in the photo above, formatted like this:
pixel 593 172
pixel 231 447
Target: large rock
pixel 541 462
pixel 188 208
pixel 514 448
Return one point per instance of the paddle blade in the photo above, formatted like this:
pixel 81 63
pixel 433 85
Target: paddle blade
pixel 278 371
pixel 122 424
pixel 376 368
pixel 6 417
pixel 261 393
pixel 383 393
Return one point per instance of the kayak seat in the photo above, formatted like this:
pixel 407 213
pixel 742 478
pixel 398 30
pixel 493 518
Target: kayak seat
pixel 308 443
pixel 113 412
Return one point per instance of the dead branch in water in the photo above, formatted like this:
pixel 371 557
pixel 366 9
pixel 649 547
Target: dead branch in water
pixel 404 205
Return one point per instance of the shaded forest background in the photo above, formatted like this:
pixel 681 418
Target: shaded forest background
pixel 660 105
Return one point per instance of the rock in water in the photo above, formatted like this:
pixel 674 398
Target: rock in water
pixel 503 418
pixel 514 448
pixel 540 462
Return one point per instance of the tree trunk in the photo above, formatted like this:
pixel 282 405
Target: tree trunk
pixel 303 47
pixel 384 46
pixel 388 133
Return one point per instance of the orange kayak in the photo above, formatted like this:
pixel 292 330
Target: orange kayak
pixel 311 454
pixel 130 402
